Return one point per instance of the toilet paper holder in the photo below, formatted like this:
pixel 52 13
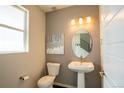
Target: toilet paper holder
pixel 24 77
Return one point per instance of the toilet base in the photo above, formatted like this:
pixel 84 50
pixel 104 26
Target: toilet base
pixel 46 82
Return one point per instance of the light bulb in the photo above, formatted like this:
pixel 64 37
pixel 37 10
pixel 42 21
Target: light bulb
pixel 80 20
pixel 88 19
pixel 73 22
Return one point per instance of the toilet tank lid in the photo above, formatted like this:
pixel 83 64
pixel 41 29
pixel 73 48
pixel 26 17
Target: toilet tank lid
pixel 50 63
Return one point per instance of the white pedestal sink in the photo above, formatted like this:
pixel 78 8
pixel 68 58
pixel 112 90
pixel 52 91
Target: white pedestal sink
pixel 81 68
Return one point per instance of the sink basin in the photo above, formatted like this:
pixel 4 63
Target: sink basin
pixel 81 67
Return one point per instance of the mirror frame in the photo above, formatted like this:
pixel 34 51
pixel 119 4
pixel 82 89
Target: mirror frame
pixel 90 38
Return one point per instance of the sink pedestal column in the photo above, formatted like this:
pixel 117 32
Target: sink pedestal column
pixel 81 80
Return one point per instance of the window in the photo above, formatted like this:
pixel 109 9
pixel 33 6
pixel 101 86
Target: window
pixel 13 29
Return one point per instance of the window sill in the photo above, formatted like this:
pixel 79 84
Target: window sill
pixel 13 52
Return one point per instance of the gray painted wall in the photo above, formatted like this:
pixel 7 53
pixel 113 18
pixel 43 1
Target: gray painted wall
pixel 12 66
pixel 60 21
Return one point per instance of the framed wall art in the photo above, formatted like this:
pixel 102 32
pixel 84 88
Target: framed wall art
pixel 55 43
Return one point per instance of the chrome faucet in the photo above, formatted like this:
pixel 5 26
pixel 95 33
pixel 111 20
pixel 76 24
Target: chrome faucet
pixel 82 59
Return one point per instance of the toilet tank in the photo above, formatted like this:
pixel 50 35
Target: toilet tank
pixel 53 68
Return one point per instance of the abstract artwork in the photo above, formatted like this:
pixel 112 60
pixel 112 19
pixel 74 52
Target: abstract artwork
pixel 55 43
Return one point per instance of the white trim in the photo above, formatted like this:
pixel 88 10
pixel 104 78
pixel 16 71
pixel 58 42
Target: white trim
pixel 13 52
pixel 27 32
pixel 64 85
pixel 10 27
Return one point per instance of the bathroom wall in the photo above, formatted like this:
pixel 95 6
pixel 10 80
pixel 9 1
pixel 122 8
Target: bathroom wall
pixel 59 21
pixel 12 66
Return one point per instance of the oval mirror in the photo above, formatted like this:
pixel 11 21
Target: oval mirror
pixel 82 43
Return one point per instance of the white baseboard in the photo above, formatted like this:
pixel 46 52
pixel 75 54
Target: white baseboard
pixel 64 85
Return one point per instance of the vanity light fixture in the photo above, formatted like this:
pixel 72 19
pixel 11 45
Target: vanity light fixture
pixel 81 20
pixel 88 19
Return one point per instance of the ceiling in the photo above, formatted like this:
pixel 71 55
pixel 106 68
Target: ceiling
pixel 49 8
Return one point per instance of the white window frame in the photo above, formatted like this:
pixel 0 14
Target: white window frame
pixel 26 31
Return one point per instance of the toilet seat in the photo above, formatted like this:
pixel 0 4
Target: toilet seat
pixel 46 81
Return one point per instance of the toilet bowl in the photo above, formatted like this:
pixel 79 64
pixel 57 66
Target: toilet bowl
pixel 48 80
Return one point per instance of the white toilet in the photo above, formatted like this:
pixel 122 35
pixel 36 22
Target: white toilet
pixel 48 80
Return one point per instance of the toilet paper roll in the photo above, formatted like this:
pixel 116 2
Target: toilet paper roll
pixel 24 77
